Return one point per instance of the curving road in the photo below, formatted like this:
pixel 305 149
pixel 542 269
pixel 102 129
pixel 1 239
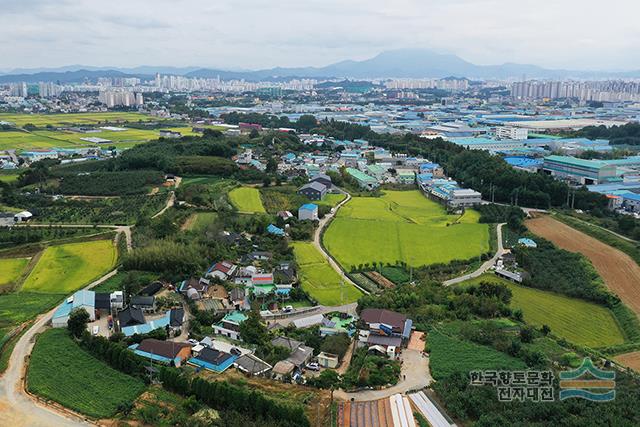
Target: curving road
pixel 17 409
pixel 485 266
pixel 318 235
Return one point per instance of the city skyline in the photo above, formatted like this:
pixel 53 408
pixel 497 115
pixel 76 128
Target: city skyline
pixel 253 35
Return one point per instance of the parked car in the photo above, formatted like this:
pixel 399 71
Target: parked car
pixel 313 366
pixel 288 309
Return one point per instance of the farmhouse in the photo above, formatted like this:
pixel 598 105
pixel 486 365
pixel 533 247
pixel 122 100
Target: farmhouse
pixel 221 270
pixel 252 365
pixel 323 179
pixel 130 317
pixel 313 190
pixel 328 360
pixel 272 229
pixel 213 360
pixel 80 300
pixel 145 303
pixel 193 288
pixel 166 352
pixel 229 326
pixel 386 323
pixel 24 216
pixel 300 353
pixel 308 211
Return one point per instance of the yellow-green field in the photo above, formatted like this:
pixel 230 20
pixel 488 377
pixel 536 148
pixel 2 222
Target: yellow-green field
pixel 41 120
pixel 575 320
pixel 11 269
pixel 403 226
pixel 247 200
pixel 319 280
pixel 201 220
pixel 331 200
pixel 9 176
pixel 66 268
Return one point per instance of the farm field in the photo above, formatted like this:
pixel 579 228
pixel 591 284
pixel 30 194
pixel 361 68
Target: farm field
pixel 319 280
pixel 403 226
pixel 9 176
pixel 11 269
pixel 19 307
pixel 247 200
pixel 61 371
pixel 331 200
pixel 66 268
pixel 73 118
pixel 619 271
pixel 580 322
pixel 448 355
pixel 200 220
pixel 630 360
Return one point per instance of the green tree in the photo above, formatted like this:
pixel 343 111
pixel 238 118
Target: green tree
pixel 253 331
pixel 78 320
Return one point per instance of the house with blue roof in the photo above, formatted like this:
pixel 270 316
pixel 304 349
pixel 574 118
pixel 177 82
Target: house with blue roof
pixel 164 352
pixel 213 360
pixel 82 299
pixel 631 202
pixel 168 320
pixel 308 211
pixel 277 231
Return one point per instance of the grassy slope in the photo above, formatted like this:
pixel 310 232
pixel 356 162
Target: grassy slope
pixel 320 280
pixel 21 306
pixel 202 220
pixel 65 268
pixel 61 371
pixel 449 355
pixel 11 269
pixel 578 321
pixel 247 199
pixel 403 226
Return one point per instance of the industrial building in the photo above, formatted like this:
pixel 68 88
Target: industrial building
pixel 585 172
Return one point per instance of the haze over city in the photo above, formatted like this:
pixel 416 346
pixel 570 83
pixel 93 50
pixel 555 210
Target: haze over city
pixel 253 34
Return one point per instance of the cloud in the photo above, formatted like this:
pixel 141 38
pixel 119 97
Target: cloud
pixel 263 33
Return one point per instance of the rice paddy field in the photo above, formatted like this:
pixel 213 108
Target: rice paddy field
pixel 11 269
pixel 319 280
pixel 66 268
pixel 61 371
pixel 247 200
pixel 403 226
pixel 331 200
pixel 578 321
pixel 42 120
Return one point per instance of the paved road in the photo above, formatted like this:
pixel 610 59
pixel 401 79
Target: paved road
pixel 485 266
pixel 415 375
pixel 316 242
pixel 322 309
pixel 17 409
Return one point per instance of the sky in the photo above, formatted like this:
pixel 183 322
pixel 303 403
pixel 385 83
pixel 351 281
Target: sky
pixel 255 34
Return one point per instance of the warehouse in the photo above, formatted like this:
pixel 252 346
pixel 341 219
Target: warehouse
pixel 581 171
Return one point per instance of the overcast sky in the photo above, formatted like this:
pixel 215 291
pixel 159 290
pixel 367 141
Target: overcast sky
pixel 251 34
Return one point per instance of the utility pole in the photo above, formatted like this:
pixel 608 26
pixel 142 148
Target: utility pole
pixel 573 199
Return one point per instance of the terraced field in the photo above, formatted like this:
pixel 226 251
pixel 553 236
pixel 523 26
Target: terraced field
pixel 247 200
pixel 403 226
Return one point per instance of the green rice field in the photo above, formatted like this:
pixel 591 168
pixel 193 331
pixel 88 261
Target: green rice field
pixel 573 319
pixel 247 200
pixel 66 268
pixel 11 269
pixel 42 120
pixel 403 226
pixel 319 280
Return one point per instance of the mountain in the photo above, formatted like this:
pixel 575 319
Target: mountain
pixel 402 63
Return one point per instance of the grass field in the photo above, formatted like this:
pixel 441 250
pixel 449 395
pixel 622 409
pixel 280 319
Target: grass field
pixel 11 269
pixel 73 119
pixel 573 319
pixel 331 200
pixel 319 280
pixel 61 371
pixel 403 226
pixel 19 307
pixel 201 220
pixel 9 176
pixel 247 199
pixel 66 268
pixel 449 355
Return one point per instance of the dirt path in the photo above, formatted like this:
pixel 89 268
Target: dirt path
pixel 171 200
pixel 16 408
pixel 619 272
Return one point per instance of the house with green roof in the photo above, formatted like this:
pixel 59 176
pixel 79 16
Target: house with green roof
pixel 364 181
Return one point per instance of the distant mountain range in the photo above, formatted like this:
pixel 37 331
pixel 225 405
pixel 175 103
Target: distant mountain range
pixel 403 63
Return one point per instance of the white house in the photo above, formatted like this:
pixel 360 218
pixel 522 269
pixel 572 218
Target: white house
pixel 308 211
pixel 23 216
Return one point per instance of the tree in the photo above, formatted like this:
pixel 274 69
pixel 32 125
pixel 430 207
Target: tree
pixel 526 334
pixel 77 323
pixel 252 330
pixel 545 329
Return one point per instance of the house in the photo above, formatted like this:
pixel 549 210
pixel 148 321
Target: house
pixel 213 360
pixel 284 274
pixel 282 369
pixel 151 325
pixel 309 321
pixel 80 300
pixel 176 318
pixel 151 289
pixel 308 211
pixel 257 256
pixel 251 365
pixel 328 360
pixel 314 190
pixel 165 352
pixel 193 288
pixel 300 353
pixel 24 216
pixel 237 297
pixel 262 279
pixel 386 322
pixel 221 270
pixel 285 215
pixel 131 316
pixel 322 179
pixel 145 303
pixel 229 326
pixel 272 229
pixel 244 274
pixel 231 238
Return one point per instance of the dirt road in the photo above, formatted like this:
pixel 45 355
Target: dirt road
pixel 619 272
pixel 16 408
